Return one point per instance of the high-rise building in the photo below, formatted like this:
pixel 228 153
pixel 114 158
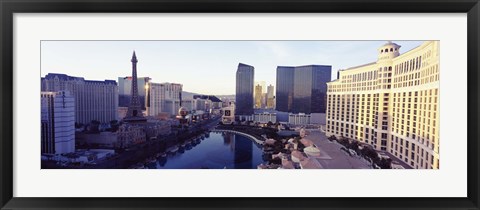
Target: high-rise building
pixel 270 97
pixel 244 90
pixel 284 91
pixel 134 112
pixel 310 88
pixel 163 98
pixel 263 84
pixel 391 104
pixel 263 95
pixel 125 90
pixel 57 122
pixel 258 97
pixel 302 89
pixel 94 100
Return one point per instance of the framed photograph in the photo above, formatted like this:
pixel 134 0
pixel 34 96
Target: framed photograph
pixel 239 105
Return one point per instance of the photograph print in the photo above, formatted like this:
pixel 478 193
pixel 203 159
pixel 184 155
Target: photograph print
pixel 232 104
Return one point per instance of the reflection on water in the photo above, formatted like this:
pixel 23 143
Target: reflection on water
pixel 214 151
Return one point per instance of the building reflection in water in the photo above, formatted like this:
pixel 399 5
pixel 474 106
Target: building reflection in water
pixel 218 150
pixel 227 138
pixel 243 152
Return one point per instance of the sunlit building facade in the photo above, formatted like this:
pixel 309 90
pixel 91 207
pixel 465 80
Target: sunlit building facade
pixel 163 98
pixel 270 97
pixel 391 104
pixel 258 97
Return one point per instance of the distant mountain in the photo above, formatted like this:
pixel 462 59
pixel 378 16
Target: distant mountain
pixel 231 97
pixel 189 95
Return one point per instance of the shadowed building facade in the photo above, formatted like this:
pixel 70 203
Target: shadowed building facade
pixel 244 90
pixel 94 100
pixel 302 89
pixel 284 92
pixel 310 88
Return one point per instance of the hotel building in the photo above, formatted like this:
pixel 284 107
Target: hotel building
pixel 57 123
pixel 163 98
pixel 284 92
pixel 270 97
pixel 244 90
pixel 125 90
pixel 302 89
pixel 202 103
pixel 94 100
pixel 391 104
pixel 258 97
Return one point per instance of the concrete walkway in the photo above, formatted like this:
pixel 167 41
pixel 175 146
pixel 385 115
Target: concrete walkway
pixel 338 158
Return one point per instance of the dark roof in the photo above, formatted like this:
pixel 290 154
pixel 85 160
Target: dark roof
pixel 209 97
pixel 390 43
pixel 313 65
pixel 285 67
pixel 65 77
pixel 242 64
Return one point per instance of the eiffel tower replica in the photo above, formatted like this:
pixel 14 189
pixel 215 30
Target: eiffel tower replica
pixel 134 113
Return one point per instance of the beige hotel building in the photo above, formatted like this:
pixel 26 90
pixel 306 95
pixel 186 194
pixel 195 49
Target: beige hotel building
pixel 391 104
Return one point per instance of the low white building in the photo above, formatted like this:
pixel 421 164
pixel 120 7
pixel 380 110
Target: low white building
pixel 299 119
pixel 163 98
pixel 265 117
pixel 57 122
pixel 228 116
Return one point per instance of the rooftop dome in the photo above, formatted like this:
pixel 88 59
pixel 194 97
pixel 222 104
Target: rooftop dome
pixel 182 111
pixel 388 51
pixel 390 43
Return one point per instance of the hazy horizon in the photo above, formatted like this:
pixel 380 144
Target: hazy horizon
pixel 204 67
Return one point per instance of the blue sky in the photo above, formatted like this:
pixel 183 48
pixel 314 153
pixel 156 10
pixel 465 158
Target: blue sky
pixel 206 67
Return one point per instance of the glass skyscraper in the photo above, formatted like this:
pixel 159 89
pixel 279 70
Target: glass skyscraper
pixel 244 90
pixel 302 89
pixel 310 88
pixel 284 92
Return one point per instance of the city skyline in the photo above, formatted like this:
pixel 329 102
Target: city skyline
pixel 385 112
pixel 165 61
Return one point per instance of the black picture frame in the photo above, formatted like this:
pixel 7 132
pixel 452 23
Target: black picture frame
pixel 9 7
